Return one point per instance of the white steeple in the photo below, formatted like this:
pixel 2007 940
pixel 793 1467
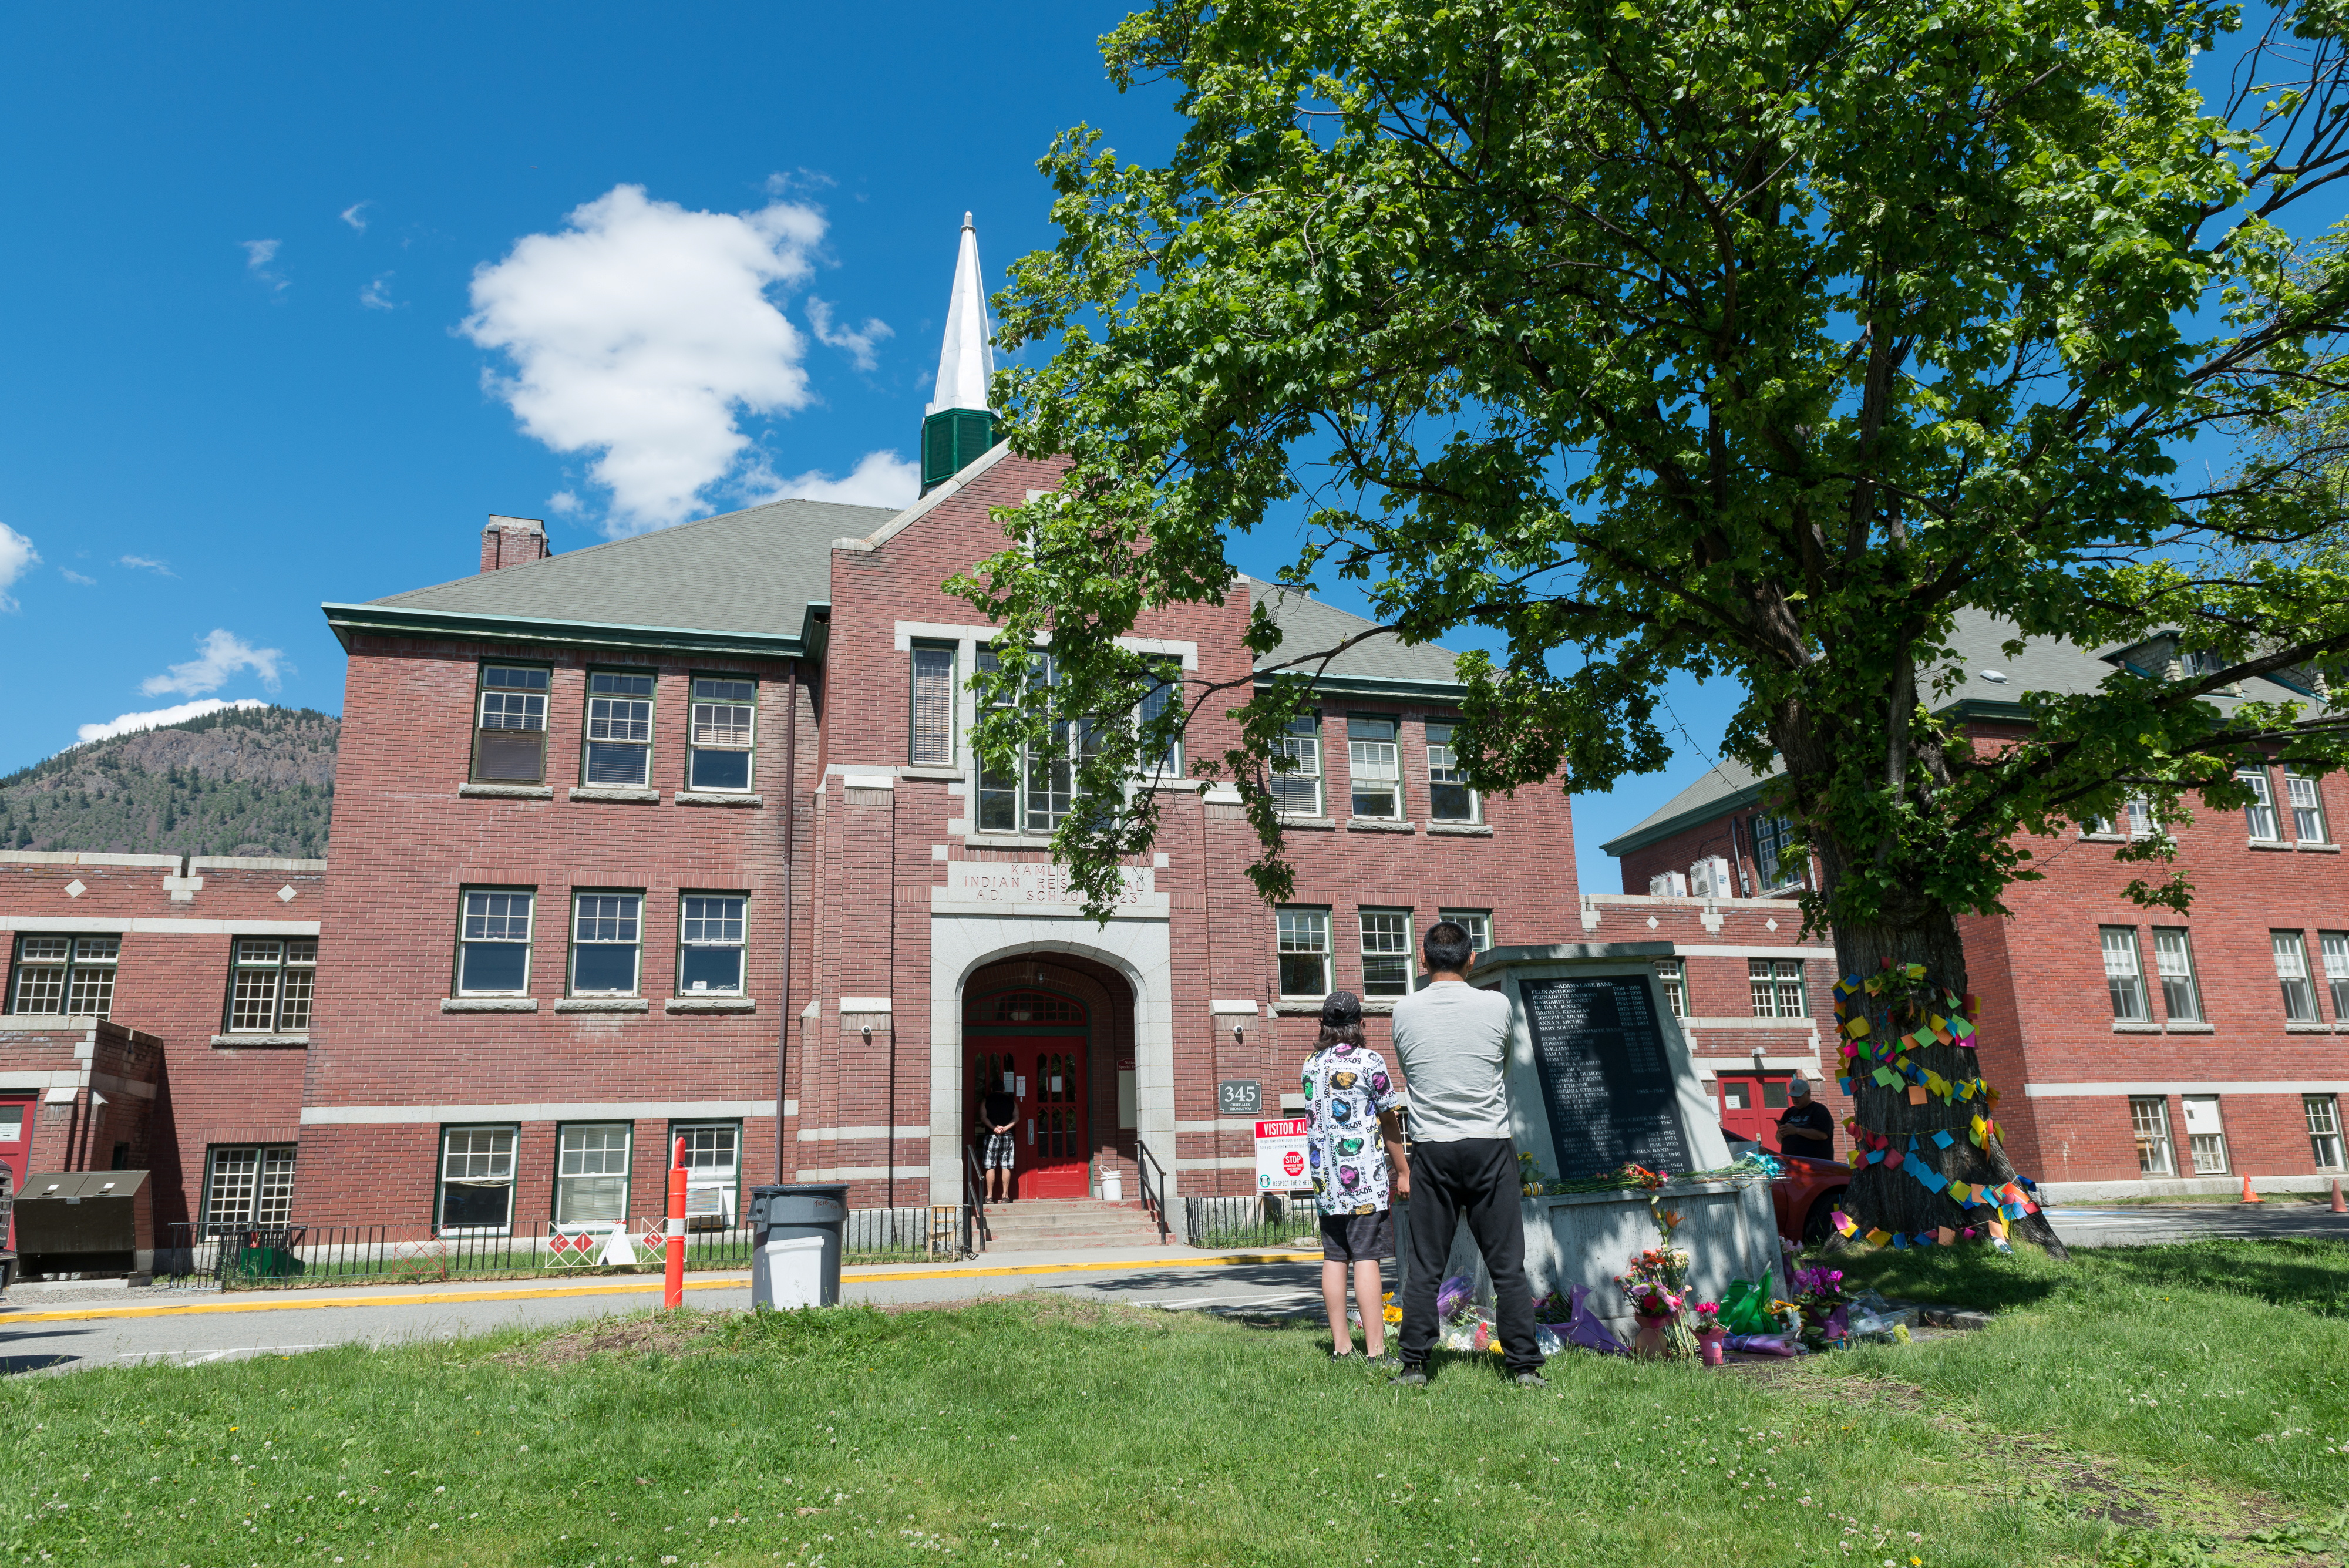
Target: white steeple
pixel 967 361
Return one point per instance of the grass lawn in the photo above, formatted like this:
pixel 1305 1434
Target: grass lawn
pixel 2157 1405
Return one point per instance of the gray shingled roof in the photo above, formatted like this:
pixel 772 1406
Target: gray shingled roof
pixel 2045 664
pixel 1309 625
pixel 751 571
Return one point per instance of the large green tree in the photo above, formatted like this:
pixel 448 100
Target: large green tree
pixel 1748 342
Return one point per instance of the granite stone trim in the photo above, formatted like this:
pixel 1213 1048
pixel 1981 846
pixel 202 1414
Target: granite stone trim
pixel 629 796
pixel 702 797
pixel 604 1005
pixel 489 1004
pixel 713 1005
pixel 509 791
pixel 240 1040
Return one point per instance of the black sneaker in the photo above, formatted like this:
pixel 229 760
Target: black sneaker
pixel 1412 1376
pixel 1530 1380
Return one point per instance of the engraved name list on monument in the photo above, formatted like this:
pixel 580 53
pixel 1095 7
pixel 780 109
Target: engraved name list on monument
pixel 1606 1082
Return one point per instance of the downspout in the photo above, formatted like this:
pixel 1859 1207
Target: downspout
pixel 790 813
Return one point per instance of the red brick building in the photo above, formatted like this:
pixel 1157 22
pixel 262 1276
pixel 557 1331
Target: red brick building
pixel 2139 1052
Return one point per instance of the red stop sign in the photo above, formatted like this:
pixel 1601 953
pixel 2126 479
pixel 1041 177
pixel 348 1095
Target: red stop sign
pixel 1293 1163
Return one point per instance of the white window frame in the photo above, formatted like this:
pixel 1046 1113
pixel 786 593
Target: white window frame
pixel 1301 932
pixel 703 1169
pixel 619 719
pixel 573 1160
pixel 2125 975
pixel 2335 947
pixel 1673 974
pixel 2323 1115
pixel 2259 817
pixel 291 965
pixel 1042 785
pixel 619 911
pixel 2136 821
pixel 698 925
pixel 1477 923
pixel 497 927
pixel 2293 979
pixel 2173 962
pixel 85 966
pixel 1376 762
pixel 2305 800
pixel 2207 1147
pixel 1301 747
pixel 490 1156
pixel 1772 837
pixel 722 722
pixel 1386 936
pixel 1443 772
pixel 2157 1151
pixel 264 1174
pixel 934 748
pixel 502 709
pixel 1159 698
pixel 1778 988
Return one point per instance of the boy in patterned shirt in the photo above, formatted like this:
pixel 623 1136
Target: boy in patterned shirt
pixel 1359 1168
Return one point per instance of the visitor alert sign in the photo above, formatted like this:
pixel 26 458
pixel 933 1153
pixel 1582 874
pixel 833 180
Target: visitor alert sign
pixel 1280 1157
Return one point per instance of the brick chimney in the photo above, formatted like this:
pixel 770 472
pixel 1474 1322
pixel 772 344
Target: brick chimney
pixel 510 540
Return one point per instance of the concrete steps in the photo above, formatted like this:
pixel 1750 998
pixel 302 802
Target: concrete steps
pixel 1054 1224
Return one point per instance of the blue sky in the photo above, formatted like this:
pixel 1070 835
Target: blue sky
pixel 233 312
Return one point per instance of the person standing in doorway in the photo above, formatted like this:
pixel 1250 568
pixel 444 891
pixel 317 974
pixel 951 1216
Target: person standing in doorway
pixel 998 1114
pixel 1807 1127
pixel 1354 1150
pixel 1453 1040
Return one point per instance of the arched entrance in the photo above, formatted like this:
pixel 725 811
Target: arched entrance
pixel 1035 1044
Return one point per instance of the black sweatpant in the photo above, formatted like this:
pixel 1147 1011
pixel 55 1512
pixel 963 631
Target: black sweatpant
pixel 1476 1177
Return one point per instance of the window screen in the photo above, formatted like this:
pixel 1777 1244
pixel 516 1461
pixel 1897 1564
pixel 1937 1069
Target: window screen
pixel 510 732
pixel 619 730
pixel 725 715
pixel 934 707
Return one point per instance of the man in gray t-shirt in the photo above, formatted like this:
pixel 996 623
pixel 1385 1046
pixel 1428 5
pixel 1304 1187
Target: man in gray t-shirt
pixel 1451 1041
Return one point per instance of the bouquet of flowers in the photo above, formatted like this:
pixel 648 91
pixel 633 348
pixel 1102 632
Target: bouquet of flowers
pixel 1819 1297
pixel 1706 1316
pixel 1657 1284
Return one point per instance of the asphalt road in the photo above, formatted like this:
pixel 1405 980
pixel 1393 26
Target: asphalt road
pixel 2084 1225
pixel 56 1343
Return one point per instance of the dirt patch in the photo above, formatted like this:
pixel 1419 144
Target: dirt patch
pixel 654 1334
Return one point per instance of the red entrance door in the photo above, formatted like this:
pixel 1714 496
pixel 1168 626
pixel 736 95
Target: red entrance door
pixel 1749 1106
pixel 15 1148
pixel 1039 1041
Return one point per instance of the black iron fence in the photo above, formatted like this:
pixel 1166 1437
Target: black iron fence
pixel 1268 1219
pixel 262 1257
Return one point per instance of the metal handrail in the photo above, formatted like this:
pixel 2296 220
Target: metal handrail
pixel 974 1203
pixel 1154 1193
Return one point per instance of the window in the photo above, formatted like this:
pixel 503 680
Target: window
pixel 73 976
pixel 1778 985
pixel 606 938
pixel 1674 972
pixel 712 1168
pixel 619 730
pixel 2300 792
pixel 1296 788
pixel 709 944
pixel 2204 1134
pixel 1386 953
pixel 2173 961
pixel 2196 664
pixel 1155 704
pixel 932 711
pixel 590 1173
pixel 2259 817
pixel 2335 945
pixel 2124 977
pixel 725 716
pixel 509 737
pixel 1372 761
pixel 1449 798
pixel 2291 975
pixel 248 1185
pixel 493 948
pixel 270 990
pixel 1037 794
pixel 2150 1119
pixel 1305 952
pixel 477 1172
pixel 2323 1130
pixel 1774 847
pixel 1477 923
pixel 2137 820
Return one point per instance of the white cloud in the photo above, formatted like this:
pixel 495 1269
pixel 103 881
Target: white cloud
pixel 17 556
pixel 879 479
pixel 640 332
pixel 857 344
pixel 258 255
pixel 355 215
pixel 564 504
pixel 148 564
pixel 123 724
pixel 223 653
pixel 73 577
pixel 377 295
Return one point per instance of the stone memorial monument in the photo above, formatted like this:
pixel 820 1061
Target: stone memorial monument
pixel 1599 1074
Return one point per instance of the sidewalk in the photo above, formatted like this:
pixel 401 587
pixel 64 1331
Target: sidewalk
pixel 25 1306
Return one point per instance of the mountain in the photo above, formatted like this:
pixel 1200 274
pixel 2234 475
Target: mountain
pixel 243 781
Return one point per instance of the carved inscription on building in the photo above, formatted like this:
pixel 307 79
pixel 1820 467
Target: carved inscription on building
pixel 1030 884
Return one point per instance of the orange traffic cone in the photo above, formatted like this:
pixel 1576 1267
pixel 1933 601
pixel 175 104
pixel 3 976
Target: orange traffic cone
pixel 2338 1207
pixel 2250 1195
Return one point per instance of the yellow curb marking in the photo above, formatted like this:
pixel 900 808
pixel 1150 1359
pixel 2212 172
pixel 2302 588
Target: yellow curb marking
pixel 444 1297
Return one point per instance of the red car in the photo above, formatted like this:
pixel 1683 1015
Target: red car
pixel 1805 1195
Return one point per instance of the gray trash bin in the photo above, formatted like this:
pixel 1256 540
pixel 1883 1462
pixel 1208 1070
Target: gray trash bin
pixel 791 1209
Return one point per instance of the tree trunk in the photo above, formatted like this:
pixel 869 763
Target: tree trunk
pixel 1883 1197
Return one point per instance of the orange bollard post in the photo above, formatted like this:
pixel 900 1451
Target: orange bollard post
pixel 2338 1207
pixel 673 1245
